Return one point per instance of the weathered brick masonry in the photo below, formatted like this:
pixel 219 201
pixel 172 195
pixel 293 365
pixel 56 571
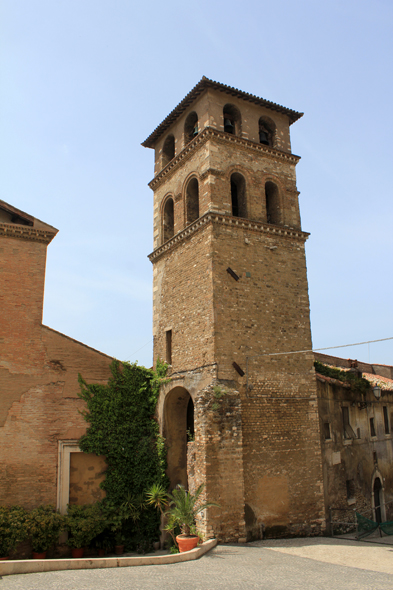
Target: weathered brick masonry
pixel 230 286
pixel 38 369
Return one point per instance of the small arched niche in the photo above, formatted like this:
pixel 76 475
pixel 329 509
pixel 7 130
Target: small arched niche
pixel 168 220
pixel 168 150
pixel 190 127
pixel 238 195
pixel 378 501
pixel 232 120
pixel 178 429
pixel 192 201
pixel 267 131
pixel 273 213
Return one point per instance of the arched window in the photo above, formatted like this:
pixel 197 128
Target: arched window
pixel 168 220
pixel 191 127
pixel 192 200
pixel 232 120
pixel 168 150
pixel 238 195
pixel 273 214
pixel 190 420
pixel 267 131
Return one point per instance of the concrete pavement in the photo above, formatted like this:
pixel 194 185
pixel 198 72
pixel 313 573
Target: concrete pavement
pixel 290 564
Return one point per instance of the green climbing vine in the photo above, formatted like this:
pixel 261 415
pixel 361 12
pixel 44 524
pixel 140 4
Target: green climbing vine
pixel 358 383
pixel 123 428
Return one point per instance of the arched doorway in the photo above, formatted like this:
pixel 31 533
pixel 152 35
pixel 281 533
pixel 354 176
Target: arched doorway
pixel 178 429
pixel 378 500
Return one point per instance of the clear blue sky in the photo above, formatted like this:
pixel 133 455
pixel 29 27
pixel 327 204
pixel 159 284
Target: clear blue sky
pixel 84 82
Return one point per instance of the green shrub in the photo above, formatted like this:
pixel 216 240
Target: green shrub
pixel 12 528
pixel 357 383
pixel 43 527
pixel 84 523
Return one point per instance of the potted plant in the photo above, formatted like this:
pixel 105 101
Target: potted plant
pixel 157 496
pixel 83 523
pixel 12 529
pixel 116 516
pixel 43 527
pixel 181 508
pixel 103 542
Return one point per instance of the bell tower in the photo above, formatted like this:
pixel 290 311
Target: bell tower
pixel 230 307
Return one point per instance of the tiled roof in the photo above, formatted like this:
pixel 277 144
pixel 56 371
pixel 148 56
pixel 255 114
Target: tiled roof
pixel 333 381
pixel 382 382
pixel 202 85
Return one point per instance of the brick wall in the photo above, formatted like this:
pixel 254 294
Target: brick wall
pixel 39 403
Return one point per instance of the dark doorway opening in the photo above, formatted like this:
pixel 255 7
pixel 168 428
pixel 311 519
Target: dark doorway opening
pixel 378 499
pixel 190 421
pixel 178 421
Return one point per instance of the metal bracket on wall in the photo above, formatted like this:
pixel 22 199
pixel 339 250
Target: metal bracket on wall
pixel 232 273
pixel 238 369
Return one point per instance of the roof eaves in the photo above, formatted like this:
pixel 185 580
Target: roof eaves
pixel 202 85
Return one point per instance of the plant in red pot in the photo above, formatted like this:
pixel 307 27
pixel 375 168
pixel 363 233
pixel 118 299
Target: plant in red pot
pixel 43 527
pixel 12 529
pixel 182 510
pixel 83 524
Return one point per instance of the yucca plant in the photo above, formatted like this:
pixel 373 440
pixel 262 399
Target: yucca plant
pixel 184 506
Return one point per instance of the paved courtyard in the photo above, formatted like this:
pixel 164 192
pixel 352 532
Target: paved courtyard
pixel 290 564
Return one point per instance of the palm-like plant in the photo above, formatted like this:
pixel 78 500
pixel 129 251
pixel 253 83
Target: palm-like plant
pixel 183 508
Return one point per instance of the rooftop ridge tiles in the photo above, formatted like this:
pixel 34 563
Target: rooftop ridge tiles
pixel 200 87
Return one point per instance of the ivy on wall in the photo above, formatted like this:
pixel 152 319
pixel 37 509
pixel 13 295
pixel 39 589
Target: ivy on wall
pixel 359 383
pixel 123 428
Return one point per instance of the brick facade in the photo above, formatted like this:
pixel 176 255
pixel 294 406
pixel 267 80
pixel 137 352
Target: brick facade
pixel 39 367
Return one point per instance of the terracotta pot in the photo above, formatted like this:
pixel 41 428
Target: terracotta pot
pixel 37 555
pixel 119 549
pixel 186 543
pixel 77 551
pixel 4 558
pixel 101 552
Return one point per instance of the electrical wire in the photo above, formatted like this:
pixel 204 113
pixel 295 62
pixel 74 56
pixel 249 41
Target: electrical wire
pixel 319 349
pixel 131 355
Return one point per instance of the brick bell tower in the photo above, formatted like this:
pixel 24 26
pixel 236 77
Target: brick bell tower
pixel 230 300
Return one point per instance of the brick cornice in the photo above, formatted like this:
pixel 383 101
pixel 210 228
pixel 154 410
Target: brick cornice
pixel 228 221
pixel 25 232
pixel 221 137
